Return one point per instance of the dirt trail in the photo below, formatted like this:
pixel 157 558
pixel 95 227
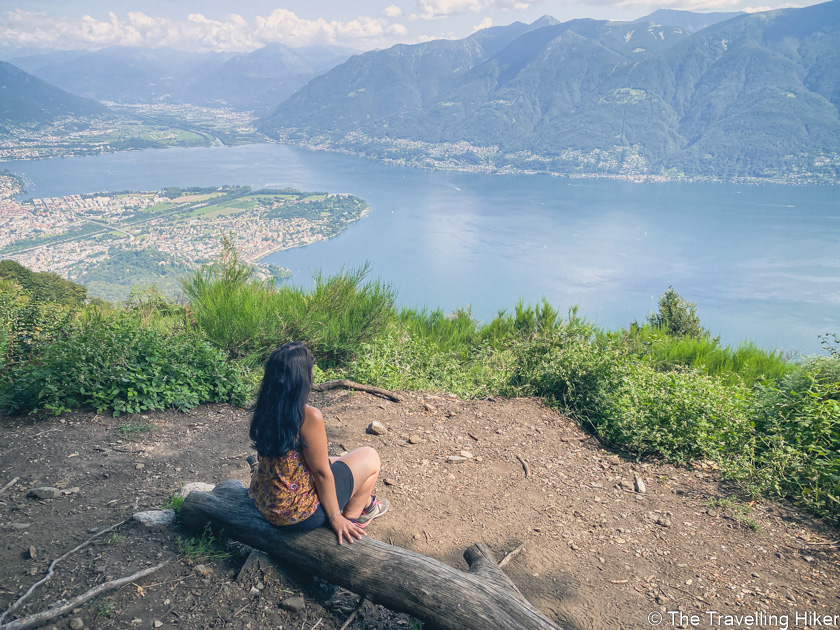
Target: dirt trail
pixel 596 553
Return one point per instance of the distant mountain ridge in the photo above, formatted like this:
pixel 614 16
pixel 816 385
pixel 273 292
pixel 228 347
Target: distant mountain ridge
pixel 687 19
pixel 25 99
pixel 123 74
pixel 755 95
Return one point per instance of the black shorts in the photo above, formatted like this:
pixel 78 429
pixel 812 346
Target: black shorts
pixel 343 492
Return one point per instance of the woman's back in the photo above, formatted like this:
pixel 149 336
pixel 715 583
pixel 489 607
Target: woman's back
pixel 283 490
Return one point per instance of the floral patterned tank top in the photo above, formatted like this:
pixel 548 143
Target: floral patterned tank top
pixel 283 490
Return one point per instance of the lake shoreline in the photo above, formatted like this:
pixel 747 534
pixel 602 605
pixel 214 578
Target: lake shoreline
pixel 489 169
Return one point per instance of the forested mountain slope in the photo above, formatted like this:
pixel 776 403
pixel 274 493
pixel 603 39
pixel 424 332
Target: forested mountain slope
pixel 754 95
pixel 25 99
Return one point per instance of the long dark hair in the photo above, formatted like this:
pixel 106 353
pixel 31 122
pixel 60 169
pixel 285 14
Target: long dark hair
pixel 278 414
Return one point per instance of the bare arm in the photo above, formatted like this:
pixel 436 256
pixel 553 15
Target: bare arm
pixel 314 434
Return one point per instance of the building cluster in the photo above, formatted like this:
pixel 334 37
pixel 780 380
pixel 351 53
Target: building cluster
pixel 113 220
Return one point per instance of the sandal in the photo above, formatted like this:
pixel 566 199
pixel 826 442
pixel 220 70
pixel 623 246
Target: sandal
pixel 377 508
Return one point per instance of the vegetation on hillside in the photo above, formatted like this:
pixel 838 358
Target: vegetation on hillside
pixel 752 96
pixel 663 389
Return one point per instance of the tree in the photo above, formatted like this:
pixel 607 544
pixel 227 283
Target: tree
pixel 677 317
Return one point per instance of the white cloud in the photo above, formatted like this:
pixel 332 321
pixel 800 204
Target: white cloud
pixel 392 11
pixel 196 32
pixel 787 5
pixel 431 9
pixel 485 23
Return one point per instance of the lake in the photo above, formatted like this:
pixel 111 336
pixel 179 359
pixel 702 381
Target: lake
pixel 762 262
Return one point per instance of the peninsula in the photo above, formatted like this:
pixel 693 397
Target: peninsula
pixel 113 241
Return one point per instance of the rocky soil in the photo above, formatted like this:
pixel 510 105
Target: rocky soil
pixel 591 551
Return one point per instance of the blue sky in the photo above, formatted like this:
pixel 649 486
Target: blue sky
pixel 203 25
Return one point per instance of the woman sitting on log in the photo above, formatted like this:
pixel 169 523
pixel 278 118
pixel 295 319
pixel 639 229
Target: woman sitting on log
pixel 295 484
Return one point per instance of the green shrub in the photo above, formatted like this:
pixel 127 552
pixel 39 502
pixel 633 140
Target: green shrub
pixel 44 286
pixel 677 317
pixel 681 415
pixel 745 363
pixel 569 369
pixel 400 360
pixel 115 364
pixel 26 324
pixel 796 446
pixel 248 318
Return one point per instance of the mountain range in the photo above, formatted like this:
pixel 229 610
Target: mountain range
pixel 27 100
pixel 127 75
pixel 675 93
pixel 754 95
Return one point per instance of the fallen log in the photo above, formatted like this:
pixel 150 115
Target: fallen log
pixel 402 580
pixel 370 389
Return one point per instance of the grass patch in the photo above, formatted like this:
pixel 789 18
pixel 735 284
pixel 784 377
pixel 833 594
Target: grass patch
pixel 175 503
pixel 104 609
pixel 116 539
pixel 205 547
pixel 735 510
pixel 135 430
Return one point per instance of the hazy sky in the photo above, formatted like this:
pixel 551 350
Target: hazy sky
pixel 244 25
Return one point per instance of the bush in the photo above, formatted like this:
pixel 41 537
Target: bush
pixel 248 318
pixel 681 415
pixel 114 364
pixel 401 360
pixel 796 446
pixel 569 369
pixel 745 363
pixel 27 324
pixel 677 317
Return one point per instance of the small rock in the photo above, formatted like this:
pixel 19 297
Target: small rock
pixel 166 602
pixel 689 582
pixel 45 492
pixel 136 621
pixel 204 570
pixel 664 522
pixel 428 407
pixel 615 460
pixel 198 486
pixel 376 428
pixel 456 459
pixel 620 541
pixel 755 575
pixel 254 591
pixel 76 623
pixel 155 518
pixel 639 484
pixel 33 553
pixel 158 623
pixel 294 604
pixel 425 462
pixel 466 454
pixel 72 490
pixel 414 439
pixel 139 466
pixel 389 482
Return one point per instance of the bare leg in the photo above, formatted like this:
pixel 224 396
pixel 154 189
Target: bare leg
pixel 364 463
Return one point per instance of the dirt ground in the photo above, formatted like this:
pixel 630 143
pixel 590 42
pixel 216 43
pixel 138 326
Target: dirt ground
pixel 596 553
